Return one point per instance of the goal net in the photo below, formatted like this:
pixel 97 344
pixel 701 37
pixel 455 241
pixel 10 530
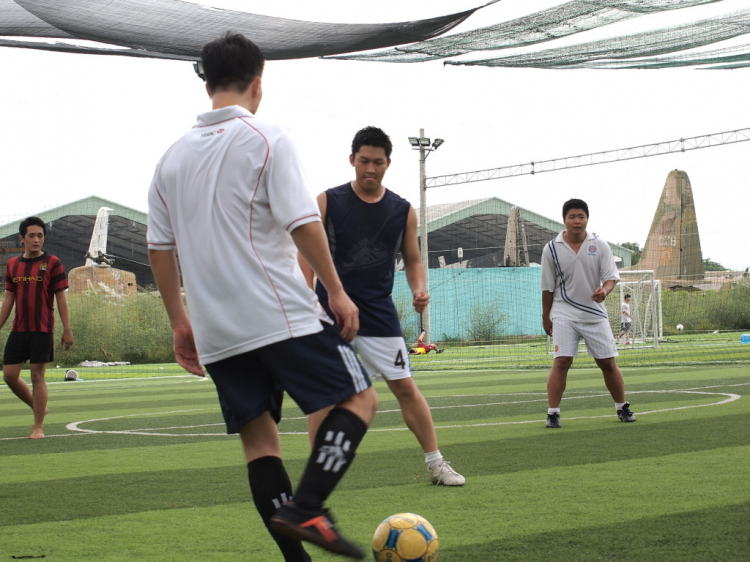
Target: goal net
pixel 645 309
pixel 485 298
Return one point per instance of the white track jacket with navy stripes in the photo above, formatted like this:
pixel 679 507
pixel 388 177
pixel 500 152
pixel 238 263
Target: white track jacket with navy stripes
pixel 573 277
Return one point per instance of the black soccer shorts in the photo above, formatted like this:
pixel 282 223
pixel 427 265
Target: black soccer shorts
pixel 317 371
pixel 34 347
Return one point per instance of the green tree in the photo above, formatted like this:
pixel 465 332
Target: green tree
pixel 636 249
pixel 712 265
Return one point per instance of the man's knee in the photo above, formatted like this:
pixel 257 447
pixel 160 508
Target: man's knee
pixel 38 371
pixel 404 389
pixel 607 365
pixel 563 363
pixel 11 373
pixel 364 404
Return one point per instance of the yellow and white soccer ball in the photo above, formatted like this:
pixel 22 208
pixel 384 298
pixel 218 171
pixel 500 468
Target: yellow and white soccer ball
pixel 405 537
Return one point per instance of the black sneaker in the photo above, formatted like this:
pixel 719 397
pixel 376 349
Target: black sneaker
pixel 553 420
pixel 625 414
pixel 315 526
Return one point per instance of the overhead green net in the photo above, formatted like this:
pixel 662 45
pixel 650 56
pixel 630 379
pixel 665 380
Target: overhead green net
pixel 629 49
pixel 733 57
pixel 554 23
pixel 175 29
pixel 178 30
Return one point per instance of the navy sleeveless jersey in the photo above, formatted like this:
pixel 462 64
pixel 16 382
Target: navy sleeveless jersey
pixel 365 239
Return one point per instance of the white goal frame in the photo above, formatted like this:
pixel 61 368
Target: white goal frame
pixel 645 307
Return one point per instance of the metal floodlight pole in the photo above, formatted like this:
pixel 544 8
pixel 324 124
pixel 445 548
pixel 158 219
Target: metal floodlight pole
pixel 423 233
pixel 425 146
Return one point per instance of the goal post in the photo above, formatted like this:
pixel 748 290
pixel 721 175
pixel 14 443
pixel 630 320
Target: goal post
pixel 645 307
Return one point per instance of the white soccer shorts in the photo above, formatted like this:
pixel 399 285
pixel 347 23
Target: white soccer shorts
pixel 566 334
pixel 383 357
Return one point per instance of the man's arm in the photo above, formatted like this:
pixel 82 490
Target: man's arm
pixel 8 301
pixel 307 271
pixel 413 263
pixel 608 272
pixel 547 298
pixel 312 243
pixel 548 286
pixel 167 275
pixel 601 292
pixel 62 308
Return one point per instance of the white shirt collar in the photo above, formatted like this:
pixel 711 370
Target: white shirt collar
pixel 559 239
pixel 224 114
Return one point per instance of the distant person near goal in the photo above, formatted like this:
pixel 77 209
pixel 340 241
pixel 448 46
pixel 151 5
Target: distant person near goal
pixel 367 226
pixel 626 320
pixel 578 272
pixel 231 194
pixel 423 348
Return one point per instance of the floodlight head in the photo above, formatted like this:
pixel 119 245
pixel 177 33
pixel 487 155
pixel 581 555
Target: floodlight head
pixel 198 67
pixel 437 143
pixel 414 141
pixel 425 142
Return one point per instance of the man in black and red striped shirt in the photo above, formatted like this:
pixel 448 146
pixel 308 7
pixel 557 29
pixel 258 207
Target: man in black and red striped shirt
pixel 32 283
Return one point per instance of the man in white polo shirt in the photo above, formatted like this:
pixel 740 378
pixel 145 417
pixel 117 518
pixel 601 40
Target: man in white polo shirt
pixel 578 272
pixel 231 195
pixel 626 320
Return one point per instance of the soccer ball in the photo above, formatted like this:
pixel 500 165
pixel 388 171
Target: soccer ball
pixel 405 537
pixel 680 327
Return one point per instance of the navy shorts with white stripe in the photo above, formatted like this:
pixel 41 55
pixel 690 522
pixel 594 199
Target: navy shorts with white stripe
pixel 316 371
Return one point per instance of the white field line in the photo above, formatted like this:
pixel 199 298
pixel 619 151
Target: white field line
pixel 76 428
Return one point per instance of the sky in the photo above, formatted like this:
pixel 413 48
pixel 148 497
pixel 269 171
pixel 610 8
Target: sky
pixel 81 125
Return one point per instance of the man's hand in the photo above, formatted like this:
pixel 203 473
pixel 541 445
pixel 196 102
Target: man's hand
pixel 67 339
pixel 599 295
pixel 421 300
pixel 185 351
pixel 547 325
pixel 346 313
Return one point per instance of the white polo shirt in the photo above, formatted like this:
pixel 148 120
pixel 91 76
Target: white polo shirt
pixel 573 277
pixel 227 195
pixel 625 313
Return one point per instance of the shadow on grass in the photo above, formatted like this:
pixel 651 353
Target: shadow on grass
pixel 709 535
pixel 75 498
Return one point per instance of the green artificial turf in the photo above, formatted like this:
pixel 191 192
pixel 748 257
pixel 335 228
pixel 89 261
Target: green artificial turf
pixel 142 469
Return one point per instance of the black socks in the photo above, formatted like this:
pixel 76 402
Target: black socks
pixel 270 487
pixel 335 444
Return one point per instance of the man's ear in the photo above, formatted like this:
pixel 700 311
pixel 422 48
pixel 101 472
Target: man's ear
pixel 351 159
pixel 256 85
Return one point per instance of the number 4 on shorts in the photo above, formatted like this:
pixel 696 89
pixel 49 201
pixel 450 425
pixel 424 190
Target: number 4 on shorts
pixel 399 362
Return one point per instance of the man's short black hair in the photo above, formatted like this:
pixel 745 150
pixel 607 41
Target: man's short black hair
pixel 575 204
pixel 372 136
pixel 627 296
pixel 31 221
pixel 231 62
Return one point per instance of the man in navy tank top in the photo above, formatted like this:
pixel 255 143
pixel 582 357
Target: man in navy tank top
pixel 367 226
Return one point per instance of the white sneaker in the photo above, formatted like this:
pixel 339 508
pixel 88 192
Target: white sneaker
pixel 444 475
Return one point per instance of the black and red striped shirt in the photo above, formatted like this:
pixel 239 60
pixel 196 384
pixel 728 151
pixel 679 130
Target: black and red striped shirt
pixel 35 281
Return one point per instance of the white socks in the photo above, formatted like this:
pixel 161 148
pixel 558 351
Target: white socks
pixel 433 459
